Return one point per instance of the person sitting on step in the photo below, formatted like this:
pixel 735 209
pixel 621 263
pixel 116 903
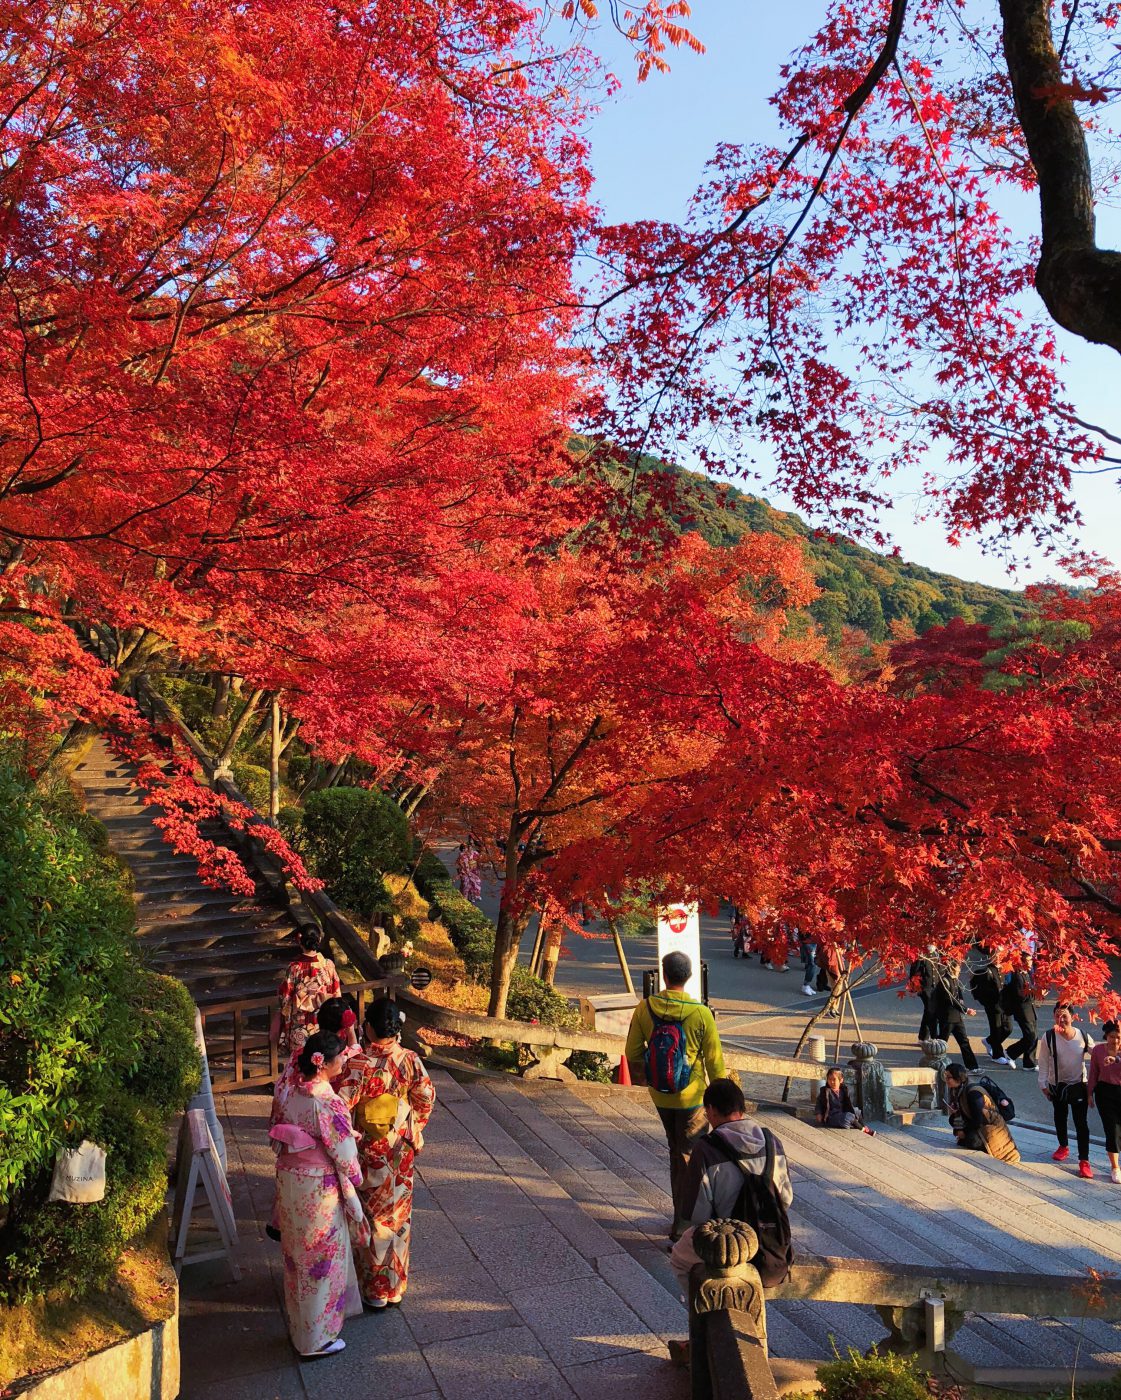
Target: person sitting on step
pixel 975 1119
pixel 835 1108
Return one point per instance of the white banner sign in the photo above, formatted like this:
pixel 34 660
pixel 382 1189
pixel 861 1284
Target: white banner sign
pixel 679 931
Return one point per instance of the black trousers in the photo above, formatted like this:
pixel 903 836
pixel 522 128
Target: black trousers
pixel 683 1126
pixel 999 1027
pixel 1023 1014
pixel 1108 1100
pixel 956 1029
pixel 1078 1101
pixel 931 1027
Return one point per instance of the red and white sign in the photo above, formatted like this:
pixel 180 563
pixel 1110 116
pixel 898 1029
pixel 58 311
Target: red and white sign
pixel 679 931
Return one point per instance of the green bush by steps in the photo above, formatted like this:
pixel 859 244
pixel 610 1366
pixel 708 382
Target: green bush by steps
pixel 874 1377
pixel 91 1045
pixel 350 837
pixel 471 932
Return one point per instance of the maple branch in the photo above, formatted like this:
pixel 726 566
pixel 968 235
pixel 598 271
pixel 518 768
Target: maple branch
pixel 1080 283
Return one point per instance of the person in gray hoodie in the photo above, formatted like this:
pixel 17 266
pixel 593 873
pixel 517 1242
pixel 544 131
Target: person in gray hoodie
pixel 714 1180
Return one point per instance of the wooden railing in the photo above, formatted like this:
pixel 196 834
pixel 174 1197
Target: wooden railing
pixel 242 1053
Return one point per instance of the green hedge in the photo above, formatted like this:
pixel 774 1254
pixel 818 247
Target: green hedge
pixel 350 837
pixel 91 1045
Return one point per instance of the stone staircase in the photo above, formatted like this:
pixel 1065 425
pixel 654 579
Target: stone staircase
pixel 905 1197
pixel 223 946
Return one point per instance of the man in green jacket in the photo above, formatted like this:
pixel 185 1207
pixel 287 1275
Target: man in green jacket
pixel 682 1112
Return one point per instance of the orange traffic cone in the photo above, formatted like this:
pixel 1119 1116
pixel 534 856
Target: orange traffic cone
pixel 623 1073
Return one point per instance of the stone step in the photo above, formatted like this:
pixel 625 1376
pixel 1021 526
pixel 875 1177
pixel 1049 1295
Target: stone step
pixel 906 1197
pixel 277 935
pixel 153 916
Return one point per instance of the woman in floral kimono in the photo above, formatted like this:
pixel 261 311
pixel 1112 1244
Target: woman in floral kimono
pixel 317 1172
pixel 335 1016
pixel 390 1095
pixel 311 979
pixel 467 873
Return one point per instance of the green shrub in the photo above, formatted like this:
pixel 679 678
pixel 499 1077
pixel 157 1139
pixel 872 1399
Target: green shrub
pixel 192 702
pixel 531 999
pixel 91 1045
pixel 432 877
pixel 351 837
pixel 253 781
pixel 471 932
pixel 590 1066
pixel 874 1377
pixel 409 927
pixel 167 1069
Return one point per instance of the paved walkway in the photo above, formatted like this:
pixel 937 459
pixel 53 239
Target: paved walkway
pixel 540 1267
pixel 516 1293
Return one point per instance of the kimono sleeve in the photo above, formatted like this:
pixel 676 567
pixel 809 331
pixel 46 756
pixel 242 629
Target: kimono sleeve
pixel 337 1135
pixel 422 1098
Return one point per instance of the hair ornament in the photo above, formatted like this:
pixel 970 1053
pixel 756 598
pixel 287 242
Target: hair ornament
pixel 317 1059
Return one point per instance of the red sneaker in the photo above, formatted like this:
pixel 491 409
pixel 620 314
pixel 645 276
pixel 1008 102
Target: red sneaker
pixel 1086 1171
pixel 1061 1155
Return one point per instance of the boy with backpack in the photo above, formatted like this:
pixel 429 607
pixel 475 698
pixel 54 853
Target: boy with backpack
pixel 737 1172
pixel 673 1046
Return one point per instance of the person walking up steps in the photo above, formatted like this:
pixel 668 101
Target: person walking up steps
pixel 1062 1078
pixel 1104 1086
pixel 673 1047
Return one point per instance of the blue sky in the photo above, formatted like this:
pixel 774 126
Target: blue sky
pixel 649 146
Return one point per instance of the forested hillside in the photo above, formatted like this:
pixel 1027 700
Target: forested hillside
pixel 859 587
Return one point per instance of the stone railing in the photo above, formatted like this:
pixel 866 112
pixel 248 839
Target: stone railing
pixel 921 1307
pixel 727 1348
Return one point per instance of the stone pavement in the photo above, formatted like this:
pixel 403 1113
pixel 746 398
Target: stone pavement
pixel 515 1291
pixel 540 1266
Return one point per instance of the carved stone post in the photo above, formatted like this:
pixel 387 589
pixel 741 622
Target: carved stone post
pixel 727 1315
pixel 871 1082
pixel 934 1057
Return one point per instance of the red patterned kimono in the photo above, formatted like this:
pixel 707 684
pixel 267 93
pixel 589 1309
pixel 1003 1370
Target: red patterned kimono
pixel 390 1096
pixel 310 981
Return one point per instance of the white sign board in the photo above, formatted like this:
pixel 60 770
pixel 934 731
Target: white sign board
pixel 200 1165
pixel 679 931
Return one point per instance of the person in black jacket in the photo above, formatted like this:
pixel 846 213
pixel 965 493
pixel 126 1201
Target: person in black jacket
pixel 1018 1000
pixel 950 1008
pixel 985 986
pixel 922 980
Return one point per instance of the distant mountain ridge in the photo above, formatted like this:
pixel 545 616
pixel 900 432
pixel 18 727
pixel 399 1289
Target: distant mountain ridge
pixel 860 588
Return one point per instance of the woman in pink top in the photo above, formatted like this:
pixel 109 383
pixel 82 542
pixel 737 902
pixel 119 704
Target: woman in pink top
pixel 1104 1083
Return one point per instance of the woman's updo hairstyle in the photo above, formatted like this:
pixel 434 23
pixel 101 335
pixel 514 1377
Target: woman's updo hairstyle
pixel 384 1018
pixel 330 1015
pixel 311 937
pixel 320 1049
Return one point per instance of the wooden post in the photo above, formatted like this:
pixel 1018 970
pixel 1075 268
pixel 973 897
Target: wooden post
pixel 621 955
pixel 274 762
pixel 538 945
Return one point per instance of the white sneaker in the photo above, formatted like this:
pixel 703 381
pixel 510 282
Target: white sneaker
pixel 331 1349
pixel 783 968
pixel 1001 1060
pixel 807 990
pixel 1115 1176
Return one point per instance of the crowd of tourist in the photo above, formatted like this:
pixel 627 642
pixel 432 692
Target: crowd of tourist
pixel 347 1122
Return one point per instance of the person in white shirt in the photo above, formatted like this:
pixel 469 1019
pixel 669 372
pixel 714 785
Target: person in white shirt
pixel 1062 1078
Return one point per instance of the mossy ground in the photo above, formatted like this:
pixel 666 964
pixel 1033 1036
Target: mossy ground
pixel 49 1333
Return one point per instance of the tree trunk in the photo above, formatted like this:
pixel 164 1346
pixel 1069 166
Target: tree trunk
pixel 1079 282
pixel 552 952
pixel 221 767
pixel 274 761
pixel 511 926
pixel 221 705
